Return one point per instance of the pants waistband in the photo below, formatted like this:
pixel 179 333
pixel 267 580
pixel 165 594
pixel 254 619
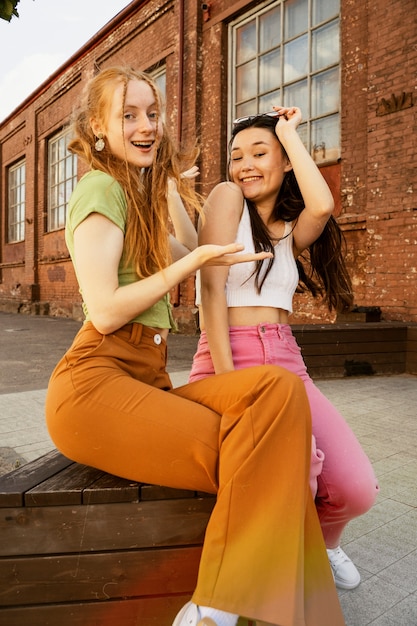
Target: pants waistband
pixel 136 333
pixel 258 329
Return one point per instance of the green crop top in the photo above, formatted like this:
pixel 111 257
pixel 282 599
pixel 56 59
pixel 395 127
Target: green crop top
pixel 97 192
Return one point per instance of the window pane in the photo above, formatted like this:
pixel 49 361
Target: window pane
pixel 270 29
pixel 69 186
pixel 326 46
pixel 269 100
pixel 247 108
pixel 246 42
pixel 54 174
pixel 325 139
pixel 12 196
pixel 296 59
pixel 160 78
pixel 296 17
pixel 161 83
pixel 68 168
pixel 302 130
pixel 325 93
pixel 54 196
pixel 246 83
pixel 269 71
pixel 324 10
pixel 61 194
pixel 61 149
pixel 296 95
pixel 61 216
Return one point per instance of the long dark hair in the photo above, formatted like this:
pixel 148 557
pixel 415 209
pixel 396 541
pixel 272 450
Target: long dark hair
pixel 321 267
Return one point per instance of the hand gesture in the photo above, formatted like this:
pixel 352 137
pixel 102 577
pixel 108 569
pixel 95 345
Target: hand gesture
pixel 193 172
pixel 213 254
pixel 287 116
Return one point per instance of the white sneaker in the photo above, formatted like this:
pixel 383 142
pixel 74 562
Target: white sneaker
pixel 345 574
pixel 190 616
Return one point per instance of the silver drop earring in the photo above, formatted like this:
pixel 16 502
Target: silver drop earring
pixel 99 145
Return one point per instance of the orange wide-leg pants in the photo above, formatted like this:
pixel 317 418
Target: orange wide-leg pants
pixel 245 436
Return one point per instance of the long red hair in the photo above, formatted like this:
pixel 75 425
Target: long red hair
pixel 146 238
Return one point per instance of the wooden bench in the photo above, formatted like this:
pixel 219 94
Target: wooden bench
pixel 411 358
pixel 79 547
pixel 358 348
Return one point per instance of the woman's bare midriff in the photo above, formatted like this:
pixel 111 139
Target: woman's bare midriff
pixel 252 316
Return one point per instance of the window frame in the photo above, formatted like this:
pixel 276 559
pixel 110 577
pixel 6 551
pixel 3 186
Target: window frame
pixel 311 122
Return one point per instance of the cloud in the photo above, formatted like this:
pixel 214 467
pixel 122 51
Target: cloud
pixel 17 84
pixel 46 35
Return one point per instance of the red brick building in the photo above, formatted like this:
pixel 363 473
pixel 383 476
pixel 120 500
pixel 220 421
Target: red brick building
pixel 349 64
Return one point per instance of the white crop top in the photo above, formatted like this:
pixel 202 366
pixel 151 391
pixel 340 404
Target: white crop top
pixel 280 284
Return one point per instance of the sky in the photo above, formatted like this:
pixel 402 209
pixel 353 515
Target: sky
pixel 45 35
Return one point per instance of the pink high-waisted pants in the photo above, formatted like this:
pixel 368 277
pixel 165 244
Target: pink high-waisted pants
pixel 346 486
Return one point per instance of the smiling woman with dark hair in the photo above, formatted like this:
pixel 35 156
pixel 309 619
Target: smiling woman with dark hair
pixel 278 201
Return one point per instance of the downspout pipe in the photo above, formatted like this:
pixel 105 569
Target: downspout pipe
pixel 180 95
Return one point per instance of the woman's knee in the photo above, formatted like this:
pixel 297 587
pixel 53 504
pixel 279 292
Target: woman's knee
pixel 281 375
pixel 365 495
pixel 358 497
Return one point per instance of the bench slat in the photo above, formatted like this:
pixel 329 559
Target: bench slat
pixel 107 527
pixel 335 360
pixel 14 484
pixel 98 576
pixel 63 488
pixel 109 489
pixel 129 612
pixel 158 492
pixel 345 333
pixel 355 350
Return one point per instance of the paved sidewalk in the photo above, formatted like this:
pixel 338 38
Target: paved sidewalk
pixel 382 410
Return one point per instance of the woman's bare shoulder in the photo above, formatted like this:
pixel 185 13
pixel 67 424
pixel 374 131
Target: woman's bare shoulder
pixel 227 197
pixel 228 188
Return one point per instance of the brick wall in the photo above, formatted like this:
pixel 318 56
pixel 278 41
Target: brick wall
pixel 379 178
pixel 373 184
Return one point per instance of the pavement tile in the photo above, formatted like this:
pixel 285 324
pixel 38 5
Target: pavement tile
pixel 382 411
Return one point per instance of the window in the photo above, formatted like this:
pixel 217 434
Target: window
pixel 288 53
pixel 160 78
pixel 62 177
pixel 16 203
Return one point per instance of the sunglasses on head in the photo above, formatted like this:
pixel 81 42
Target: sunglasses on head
pixel 249 118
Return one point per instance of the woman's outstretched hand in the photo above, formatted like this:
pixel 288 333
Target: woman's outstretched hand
pixel 193 172
pixel 213 254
